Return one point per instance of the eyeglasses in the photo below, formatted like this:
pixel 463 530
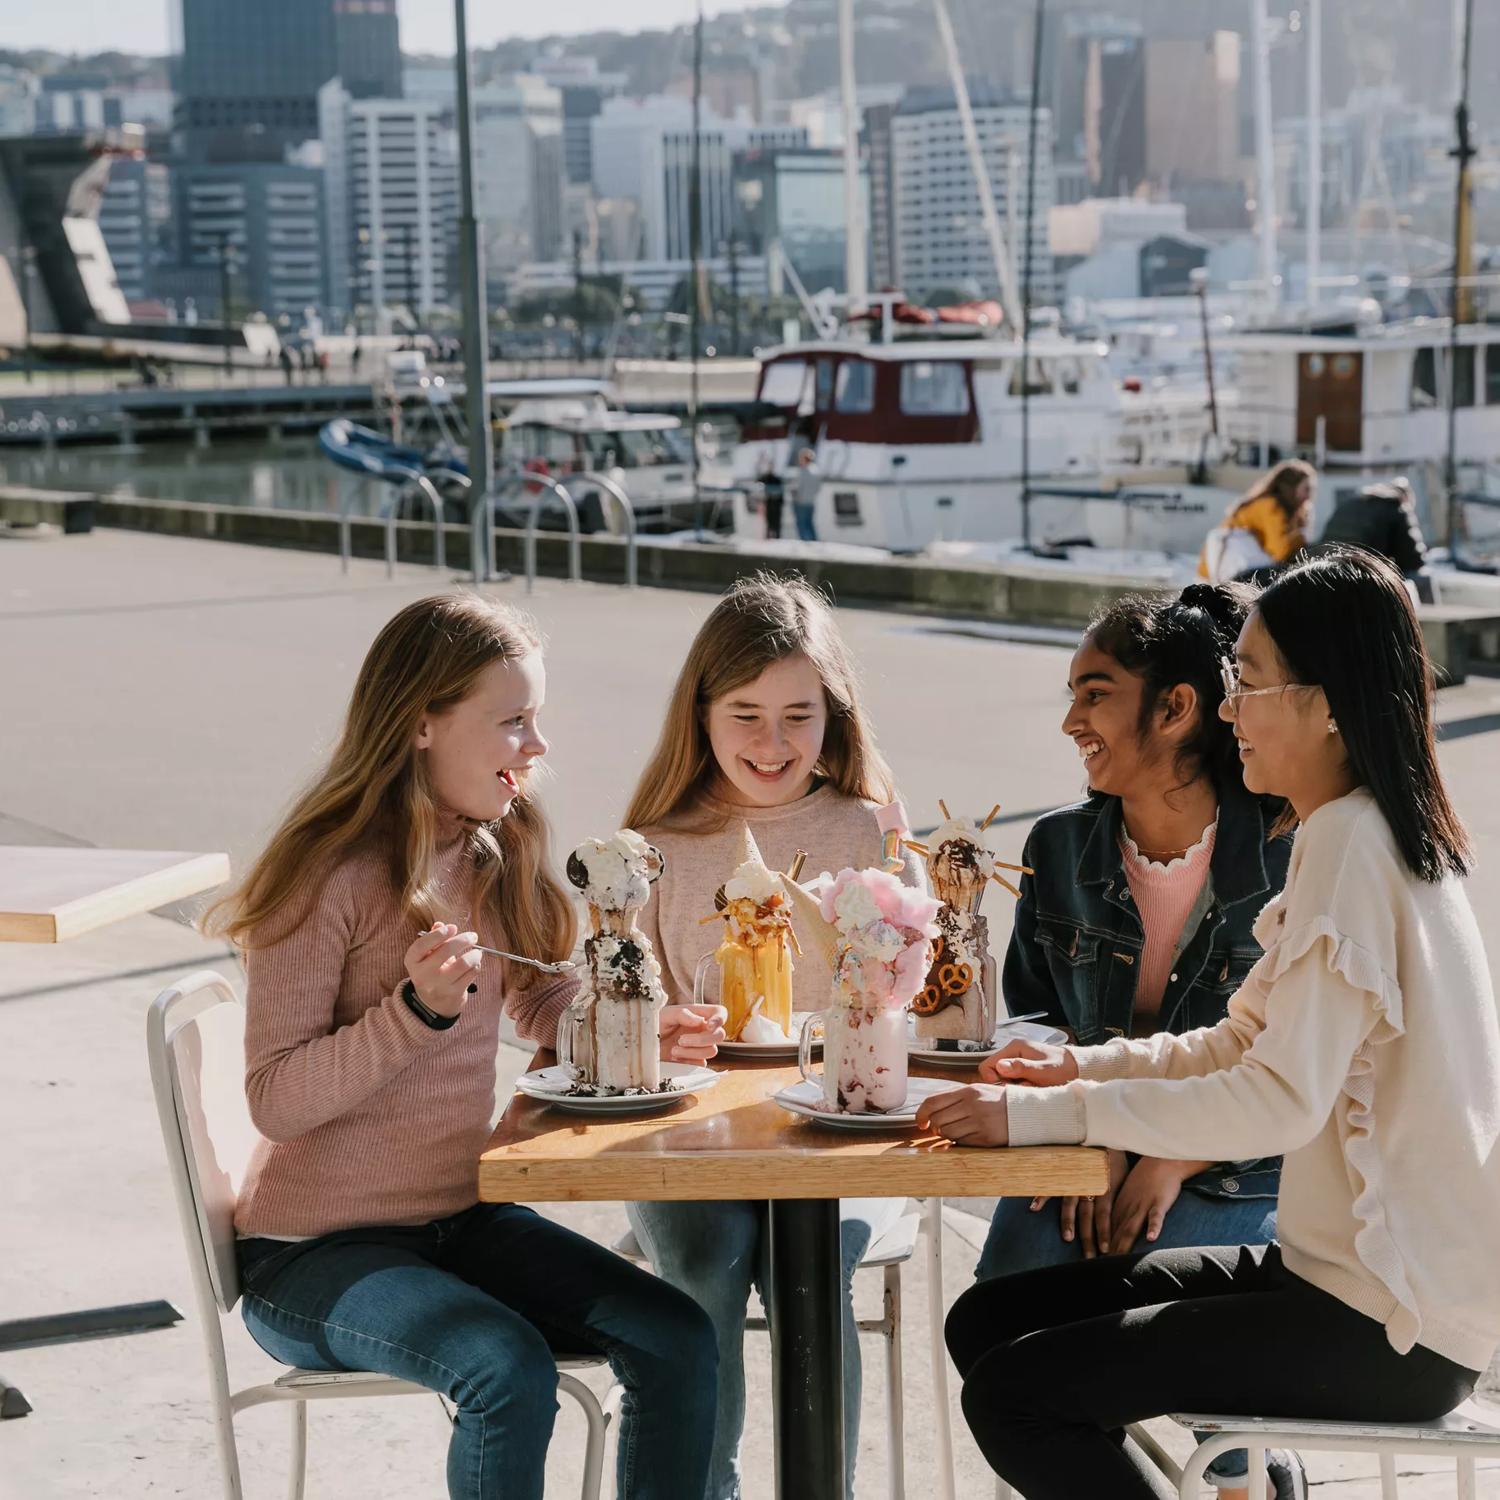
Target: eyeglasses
pixel 1229 674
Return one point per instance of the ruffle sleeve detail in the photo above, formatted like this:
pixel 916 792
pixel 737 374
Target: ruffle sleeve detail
pixel 1359 968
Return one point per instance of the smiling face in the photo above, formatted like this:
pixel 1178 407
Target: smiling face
pixel 479 751
pixel 767 735
pixel 1284 742
pixel 1121 757
pixel 1103 718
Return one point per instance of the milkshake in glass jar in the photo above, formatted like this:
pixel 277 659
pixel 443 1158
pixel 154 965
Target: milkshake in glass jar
pixel 755 958
pixel 884 944
pixel 611 1033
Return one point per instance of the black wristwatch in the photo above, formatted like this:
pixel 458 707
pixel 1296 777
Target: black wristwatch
pixel 424 1013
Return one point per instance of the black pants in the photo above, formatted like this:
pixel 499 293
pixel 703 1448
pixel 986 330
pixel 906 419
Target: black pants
pixel 1056 1362
pixel 774 506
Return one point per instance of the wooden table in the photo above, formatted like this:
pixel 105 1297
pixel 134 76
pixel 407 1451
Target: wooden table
pixel 48 895
pixel 734 1142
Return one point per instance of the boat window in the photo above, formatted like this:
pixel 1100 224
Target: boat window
pixel 934 388
pixel 1424 384
pixel 1492 375
pixel 1463 391
pixel 636 449
pixel 783 383
pixel 823 394
pixel 531 443
pixel 855 388
pixel 1041 377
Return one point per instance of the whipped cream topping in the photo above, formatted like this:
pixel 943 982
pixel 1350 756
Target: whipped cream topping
pixel 616 874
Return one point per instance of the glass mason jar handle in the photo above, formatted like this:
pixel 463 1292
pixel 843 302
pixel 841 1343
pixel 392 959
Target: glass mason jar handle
pixel 569 1025
pixel 700 980
pixel 805 1046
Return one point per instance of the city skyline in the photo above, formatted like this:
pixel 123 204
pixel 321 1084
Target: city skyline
pixel 141 26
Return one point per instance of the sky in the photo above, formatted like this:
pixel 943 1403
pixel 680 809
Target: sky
pixel 426 25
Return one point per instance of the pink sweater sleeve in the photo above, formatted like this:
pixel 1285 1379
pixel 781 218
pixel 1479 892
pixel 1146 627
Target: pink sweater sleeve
pixel 300 1069
pixel 536 1010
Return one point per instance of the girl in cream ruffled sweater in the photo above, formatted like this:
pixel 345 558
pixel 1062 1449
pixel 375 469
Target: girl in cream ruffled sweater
pixel 1364 1045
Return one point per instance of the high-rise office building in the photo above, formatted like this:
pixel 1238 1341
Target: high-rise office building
pixel 247 76
pixel 584 89
pixel 518 170
pixel 793 198
pixel 940 239
pixel 392 202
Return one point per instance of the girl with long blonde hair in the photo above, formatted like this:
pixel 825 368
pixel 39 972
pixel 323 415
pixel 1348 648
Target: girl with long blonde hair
pixel 764 729
pixel 371 1033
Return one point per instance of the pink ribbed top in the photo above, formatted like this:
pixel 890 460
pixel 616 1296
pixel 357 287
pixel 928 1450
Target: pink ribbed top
pixel 369 1116
pixel 1165 896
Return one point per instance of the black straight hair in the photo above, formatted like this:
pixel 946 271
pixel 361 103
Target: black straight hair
pixel 1169 641
pixel 1344 621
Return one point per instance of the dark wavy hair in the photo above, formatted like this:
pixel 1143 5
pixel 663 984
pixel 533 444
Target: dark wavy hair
pixel 1169 641
pixel 1344 621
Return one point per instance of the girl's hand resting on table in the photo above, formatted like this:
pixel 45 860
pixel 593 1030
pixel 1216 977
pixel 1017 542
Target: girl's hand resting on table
pixel 973 1116
pixel 1036 1063
pixel 442 964
pixel 691 1033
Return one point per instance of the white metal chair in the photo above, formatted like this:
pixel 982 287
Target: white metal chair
pixel 887 1255
pixel 1463 1435
pixel 195 1041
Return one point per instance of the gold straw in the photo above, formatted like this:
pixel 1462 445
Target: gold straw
pixel 990 817
pixel 943 808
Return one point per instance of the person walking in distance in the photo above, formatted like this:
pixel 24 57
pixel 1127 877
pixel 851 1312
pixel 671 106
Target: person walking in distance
pixel 805 482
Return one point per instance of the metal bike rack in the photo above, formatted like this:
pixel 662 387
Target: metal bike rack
pixel 482 528
pixel 422 485
pixel 608 485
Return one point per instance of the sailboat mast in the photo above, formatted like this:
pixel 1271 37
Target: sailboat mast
pixel 1265 161
pixel 1313 14
pixel 1462 308
pixel 695 252
pixel 856 280
pixel 991 219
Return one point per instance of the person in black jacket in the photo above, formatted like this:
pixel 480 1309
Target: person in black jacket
pixel 1381 518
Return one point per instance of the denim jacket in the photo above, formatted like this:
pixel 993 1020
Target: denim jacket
pixel 1076 947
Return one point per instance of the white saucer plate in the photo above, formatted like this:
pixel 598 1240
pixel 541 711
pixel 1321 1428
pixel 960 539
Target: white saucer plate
pixel 752 1050
pixel 552 1085
pixel 806 1099
pixel 1005 1031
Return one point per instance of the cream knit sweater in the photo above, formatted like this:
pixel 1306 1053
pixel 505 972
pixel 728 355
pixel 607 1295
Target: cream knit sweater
pixel 1365 1046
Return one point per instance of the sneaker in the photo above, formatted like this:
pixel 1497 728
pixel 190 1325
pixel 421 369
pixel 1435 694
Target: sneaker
pixel 1288 1473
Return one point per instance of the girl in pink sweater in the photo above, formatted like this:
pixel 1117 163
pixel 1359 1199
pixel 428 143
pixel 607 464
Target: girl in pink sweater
pixel 764 729
pixel 370 1042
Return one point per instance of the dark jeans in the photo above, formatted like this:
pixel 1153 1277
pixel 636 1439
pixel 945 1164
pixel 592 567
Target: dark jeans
pixel 475 1307
pixel 803 516
pixel 774 507
pixel 1055 1363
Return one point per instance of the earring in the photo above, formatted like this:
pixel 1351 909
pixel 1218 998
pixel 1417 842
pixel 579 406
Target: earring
pixel 1333 728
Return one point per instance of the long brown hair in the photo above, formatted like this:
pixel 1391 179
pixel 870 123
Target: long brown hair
pixel 763 619
pixel 426 660
pixel 1281 484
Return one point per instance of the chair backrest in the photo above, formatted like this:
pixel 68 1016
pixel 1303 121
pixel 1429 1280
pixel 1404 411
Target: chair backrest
pixel 195 1038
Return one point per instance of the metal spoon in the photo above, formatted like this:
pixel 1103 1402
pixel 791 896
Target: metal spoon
pixel 562 966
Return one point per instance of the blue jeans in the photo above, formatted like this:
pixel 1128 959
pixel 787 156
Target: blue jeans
pixel 803 516
pixel 715 1252
pixel 475 1307
pixel 1020 1240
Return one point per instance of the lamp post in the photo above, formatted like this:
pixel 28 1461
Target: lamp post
pixel 226 279
pixel 471 272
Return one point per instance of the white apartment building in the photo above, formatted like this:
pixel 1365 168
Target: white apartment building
pixel 643 154
pixel 392 196
pixel 518 170
pixel 939 235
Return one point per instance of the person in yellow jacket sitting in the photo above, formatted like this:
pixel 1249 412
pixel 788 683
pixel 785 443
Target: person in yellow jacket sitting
pixel 1265 529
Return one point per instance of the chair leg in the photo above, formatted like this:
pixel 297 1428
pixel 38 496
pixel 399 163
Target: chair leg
pixel 598 1427
pixel 297 1477
pixel 1388 1485
pixel 894 1385
pixel 937 1312
pixel 1257 1466
pixel 1468 1488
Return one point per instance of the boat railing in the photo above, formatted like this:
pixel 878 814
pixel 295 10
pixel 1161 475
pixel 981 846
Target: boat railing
pixel 617 493
pixel 482 533
pixel 414 482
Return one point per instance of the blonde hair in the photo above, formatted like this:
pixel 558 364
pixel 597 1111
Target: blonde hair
pixel 1281 484
pixel 763 619
pixel 426 660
